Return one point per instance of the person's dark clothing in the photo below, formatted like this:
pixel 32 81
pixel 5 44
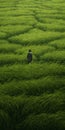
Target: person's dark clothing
pixel 29 57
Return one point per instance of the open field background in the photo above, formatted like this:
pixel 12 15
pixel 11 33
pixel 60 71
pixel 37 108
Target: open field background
pixel 32 96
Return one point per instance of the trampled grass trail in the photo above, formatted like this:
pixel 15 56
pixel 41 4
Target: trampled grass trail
pixel 32 96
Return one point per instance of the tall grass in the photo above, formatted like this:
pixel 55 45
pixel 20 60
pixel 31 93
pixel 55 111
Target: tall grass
pixel 48 84
pixel 57 56
pixel 51 27
pixel 17 20
pixel 32 96
pixel 35 36
pixel 32 71
pixel 44 121
pixel 15 29
pixel 8 48
pixel 59 44
pixel 31 109
pixel 2 35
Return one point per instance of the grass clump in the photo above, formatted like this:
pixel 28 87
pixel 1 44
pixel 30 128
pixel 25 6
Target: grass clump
pixel 36 37
pixel 57 56
pixel 33 87
pixel 44 121
pixel 59 44
pixel 32 71
pixel 4 120
pixel 15 29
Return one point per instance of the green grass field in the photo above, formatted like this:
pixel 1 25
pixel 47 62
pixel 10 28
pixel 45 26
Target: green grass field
pixel 32 96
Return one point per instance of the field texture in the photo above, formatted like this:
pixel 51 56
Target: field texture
pixel 32 96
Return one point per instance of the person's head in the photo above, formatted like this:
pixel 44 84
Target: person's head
pixel 30 50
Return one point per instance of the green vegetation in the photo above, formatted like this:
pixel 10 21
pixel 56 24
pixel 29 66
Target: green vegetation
pixel 32 96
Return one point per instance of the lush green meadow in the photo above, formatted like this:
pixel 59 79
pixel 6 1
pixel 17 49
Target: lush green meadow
pixel 32 96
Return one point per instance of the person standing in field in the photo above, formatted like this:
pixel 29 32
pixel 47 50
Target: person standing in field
pixel 29 56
